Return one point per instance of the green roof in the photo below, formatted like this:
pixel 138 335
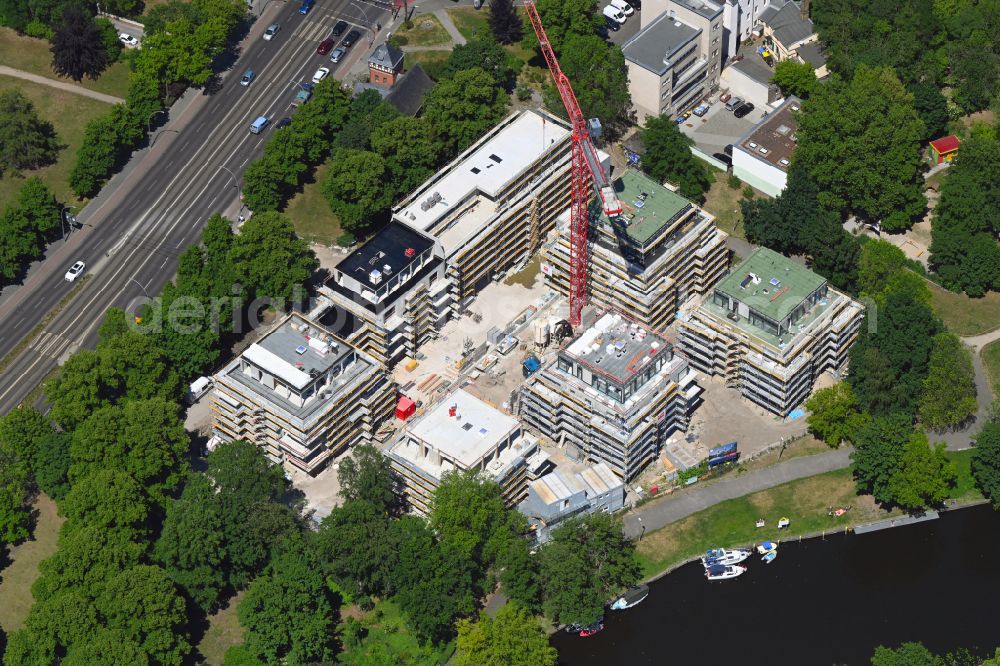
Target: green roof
pixel 645 218
pixel 782 286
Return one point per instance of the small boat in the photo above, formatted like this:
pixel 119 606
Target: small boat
pixel 767 547
pixel 769 556
pixel 723 571
pixel 723 556
pixel 592 629
pixel 573 628
pixel 632 597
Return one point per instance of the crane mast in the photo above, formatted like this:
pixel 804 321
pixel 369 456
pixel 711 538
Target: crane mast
pixel 586 172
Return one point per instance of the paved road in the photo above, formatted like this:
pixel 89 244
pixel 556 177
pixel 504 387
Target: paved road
pixel 61 85
pixel 134 232
pixel 683 503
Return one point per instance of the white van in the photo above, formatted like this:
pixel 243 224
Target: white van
pixel 258 125
pixel 622 6
pixel 614 14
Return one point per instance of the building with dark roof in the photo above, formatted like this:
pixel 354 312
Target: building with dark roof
pixel 786 29
pixel 761 157
pixel 385 64
pixel 410 90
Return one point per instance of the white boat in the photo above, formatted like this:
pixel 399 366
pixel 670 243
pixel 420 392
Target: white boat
pixel 632 597
pixel 767 547
pixel 769 556
pixel 723 571
pixel 723 556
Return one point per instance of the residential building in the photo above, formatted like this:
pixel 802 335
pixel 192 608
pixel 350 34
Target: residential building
pixel 649 259
pixel 750 78
pixel 409 91
pixel 675 59
pixel 614 393
pixel 739 18
pixel 565 494
pixel 302 394
pixel 770 328
pixel 761 157
pixel 385 65
pixel 789 33
pixel 459 433
pixel 944 149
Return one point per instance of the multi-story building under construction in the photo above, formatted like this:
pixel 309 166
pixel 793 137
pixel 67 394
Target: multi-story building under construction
pixel 647 261
pixel 302 394
pixel 770 328
pixel 615 392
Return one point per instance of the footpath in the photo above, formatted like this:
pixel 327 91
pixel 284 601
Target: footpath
pixel 61 85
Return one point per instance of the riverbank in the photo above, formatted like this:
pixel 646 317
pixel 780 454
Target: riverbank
pixel 805 502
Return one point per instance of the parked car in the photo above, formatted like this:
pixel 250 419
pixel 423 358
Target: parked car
pixel 301 97
pixel 623 7
pixel 337 54
pixel 306 6
pixel 271 31
pixel 733 103
pixel 325 46
pixel 321 74
pixel 248 76
pixel 743 110
pixel 339 29
pixel 680 119
pixel 75 271
pixel 701 110
pixel 281 124
pixel 612 24
pixel 614 14
pixel 128 40
pixel 352 37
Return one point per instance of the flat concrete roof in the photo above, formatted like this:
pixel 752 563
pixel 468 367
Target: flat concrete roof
pixel 561 484
pixel 657 42
pixel 476 429
pixel 617 347
pixel 296 350
pixel 704 9
pixel 773 140
pixel 770 284
pixel 484 171
pixel 647 206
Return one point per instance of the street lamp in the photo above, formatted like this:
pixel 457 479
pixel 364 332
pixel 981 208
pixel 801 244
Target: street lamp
pixel 236 181
pixel 367 20
pixel 63 220
pixel 140 287
pixel 299 84
pixel 150 119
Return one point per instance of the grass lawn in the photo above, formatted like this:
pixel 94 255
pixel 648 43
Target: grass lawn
pixel 54 105
pixel 723 202
pixel 310 213
pixel 426 31
pixel 429 60
pixel 17 578
pixel 33 55
pixel 963 315
pixel 389 636
pixel 965 489
pixel 991 359
pixel 224 631
pixel 471 22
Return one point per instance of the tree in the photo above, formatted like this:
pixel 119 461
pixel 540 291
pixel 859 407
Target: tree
pixel 53 625
pixel 367 476
pixel 262 191
pixel 975 66
pixel 932 107
pixel 949 391
pixel 879 447
pixel 924 477
pixel 462 108
pixel 270 259
pixel 795 78
pixel 485 54
pixel 878 261
pixel 512 638
pixel 289 613
pixel 907 654
pixel 860 141
pixel 142 606
pixel 986 462
pixel 108 499
pixel 833 414
pixel 600 81
pixel 86 559
pixel 356 545
pixel 134 367
pixel 190 546
pixel 563 18
pixel 409 151
pixel 587 561
pixel 15 513
pixel 76 391
pixel 505 24
pixel 667 157
pixel 51 464
pixel 77 48
pixel 26 141
pixel 444 588
pixel 357 188
pixel 109 647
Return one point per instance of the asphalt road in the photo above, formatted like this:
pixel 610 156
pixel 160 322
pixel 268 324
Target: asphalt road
pixel 132 238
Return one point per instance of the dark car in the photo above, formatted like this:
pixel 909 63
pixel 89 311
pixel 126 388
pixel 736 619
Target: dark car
pixel 284 122
pixel 339 29
pixel 741 111
pixel 352 37
pixel 613 25
pixel 325 46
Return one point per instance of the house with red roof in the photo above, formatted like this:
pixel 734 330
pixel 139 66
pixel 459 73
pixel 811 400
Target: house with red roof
pixel 944 149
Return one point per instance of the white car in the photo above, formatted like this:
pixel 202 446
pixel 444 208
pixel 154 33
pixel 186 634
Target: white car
pixel 321 74
pixel 128 40
pixel 75 271
pixel 271 31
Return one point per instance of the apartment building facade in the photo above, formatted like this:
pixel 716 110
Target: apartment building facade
pixel 615 392
pixel 302 394
pixel 647 261
pixel 563 494
pixel 770 328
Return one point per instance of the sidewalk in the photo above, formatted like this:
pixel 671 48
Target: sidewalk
pixel 449 26
pixel 62 85
pixel 683 503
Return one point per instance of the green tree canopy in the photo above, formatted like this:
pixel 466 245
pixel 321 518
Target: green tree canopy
pixel 356 545
pixel 932 107
pixel 505 24
pixel 462 108
pixel 878 261
pixel 924 477
pixel 86 559
pixel 486 54
pixel 600 81
pixel 367 476
pixel 667 157
pixel 949 391
pixel 108 499
pixel 860 141
pixel 358 188
pixel 512 638
pixel 565 18
pixel 879 446
pixel 409 151
pixel 52 626
pixel 795 78
pixel 833 414
pixel 77 48
pixel 26 141
pixel 907 654
pixel 986 462
pixel 269 258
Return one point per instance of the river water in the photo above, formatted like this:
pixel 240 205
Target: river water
pixel 822 601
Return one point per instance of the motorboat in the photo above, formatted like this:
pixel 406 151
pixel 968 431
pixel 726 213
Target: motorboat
pixel 592 629
pixel 723 571
pixel 573 628
pixel 767 547
pixel 632 597
pixel 723 556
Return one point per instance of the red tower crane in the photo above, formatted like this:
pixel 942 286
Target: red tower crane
pixel 586 170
